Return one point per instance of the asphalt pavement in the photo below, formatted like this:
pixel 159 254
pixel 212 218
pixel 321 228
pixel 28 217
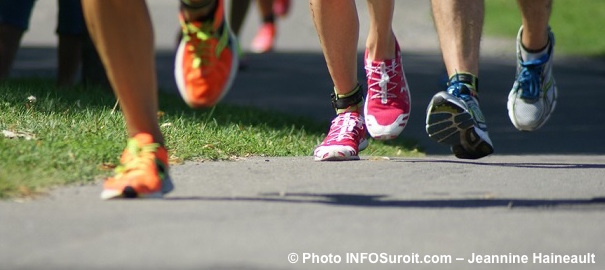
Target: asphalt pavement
pixel 540 198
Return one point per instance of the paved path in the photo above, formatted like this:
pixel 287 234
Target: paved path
pixel 542 192
pixel 251 214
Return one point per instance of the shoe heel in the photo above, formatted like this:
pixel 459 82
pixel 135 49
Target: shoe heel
pixel 167 185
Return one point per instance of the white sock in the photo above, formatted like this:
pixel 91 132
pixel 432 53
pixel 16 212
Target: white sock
pixel 529 56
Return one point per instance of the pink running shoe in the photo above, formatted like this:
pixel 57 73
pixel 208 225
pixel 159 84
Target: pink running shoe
pixel 345 139
pixel 281 7
pixel 264 39
pixel 387 106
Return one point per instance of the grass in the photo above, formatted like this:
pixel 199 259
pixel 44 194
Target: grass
pixel 76 139
pixel 575 23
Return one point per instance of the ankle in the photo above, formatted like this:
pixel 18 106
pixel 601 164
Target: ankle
pixel 531 54
pixel 468 79
pixel 269 18
pixel 198 10
pixel 382 49
pixel 349 102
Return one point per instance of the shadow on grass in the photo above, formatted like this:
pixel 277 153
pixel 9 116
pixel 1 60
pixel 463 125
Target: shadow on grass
pixel 53 100
pixel 50 99
pixel 287 88
pixel 249 103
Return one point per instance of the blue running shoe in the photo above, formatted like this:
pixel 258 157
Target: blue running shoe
pixel 534 94
pixel 454 118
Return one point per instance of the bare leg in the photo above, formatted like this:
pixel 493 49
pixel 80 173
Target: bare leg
pixel 453 116
pixel 265 7
pixel 70 57
pixel 10 38
pixel 264 39
pixel 459 24
pixel 381 40
pixel 193 14
pixel 533 96
pixel 129 62
pixel 535 15
pixel 338 29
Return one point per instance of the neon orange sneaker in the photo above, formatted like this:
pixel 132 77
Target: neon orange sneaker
pixel 264 39
pixel 143 171
pixel 206 60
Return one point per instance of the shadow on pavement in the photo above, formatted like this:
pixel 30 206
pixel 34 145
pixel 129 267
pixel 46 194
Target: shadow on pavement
pixel 298 83
pixel 364 200
pixel 513 165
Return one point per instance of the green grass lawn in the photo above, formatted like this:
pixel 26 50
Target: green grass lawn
pixel 575 23
pixel 71 136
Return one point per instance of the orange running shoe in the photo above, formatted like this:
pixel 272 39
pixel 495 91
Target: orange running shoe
pixel 206 60
pixel 143 171
pixel 264 39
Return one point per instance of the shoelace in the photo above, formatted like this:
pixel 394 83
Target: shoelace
pixel 461 89
pixel 201 48
pixel 139 156
pixel 530 78
pixel 455 89
pixel 344 126
pixel 383 83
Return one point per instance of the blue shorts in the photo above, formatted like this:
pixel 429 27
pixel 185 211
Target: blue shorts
pixel 18 12
pixel 71 19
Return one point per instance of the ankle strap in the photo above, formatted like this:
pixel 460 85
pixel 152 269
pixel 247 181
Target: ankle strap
pixel 466 78
pixel 343 102
pixel 188 4
pixel 471 81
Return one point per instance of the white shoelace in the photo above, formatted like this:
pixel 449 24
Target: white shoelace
pixel 346 130
pixel 384 83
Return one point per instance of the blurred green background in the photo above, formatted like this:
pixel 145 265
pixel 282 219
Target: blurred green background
pixel 577 24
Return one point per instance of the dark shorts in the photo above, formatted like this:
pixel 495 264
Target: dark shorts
pixel 18 12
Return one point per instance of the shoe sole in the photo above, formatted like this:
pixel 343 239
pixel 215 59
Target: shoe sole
pixel 449 123
pixel 387 132
pixel 129 192
pixel 339 155
pixel 385 136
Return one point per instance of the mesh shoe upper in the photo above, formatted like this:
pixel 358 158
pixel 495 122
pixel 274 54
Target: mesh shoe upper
pixel 206 60
pixel 387 106
pixel 345 138
pixel 533 96
pixel 143 171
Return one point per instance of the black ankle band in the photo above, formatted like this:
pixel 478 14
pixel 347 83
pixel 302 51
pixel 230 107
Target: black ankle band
pixel 466 78
pixel 189 5
pixel 354 98
pixel 535 51
pixel 269 18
